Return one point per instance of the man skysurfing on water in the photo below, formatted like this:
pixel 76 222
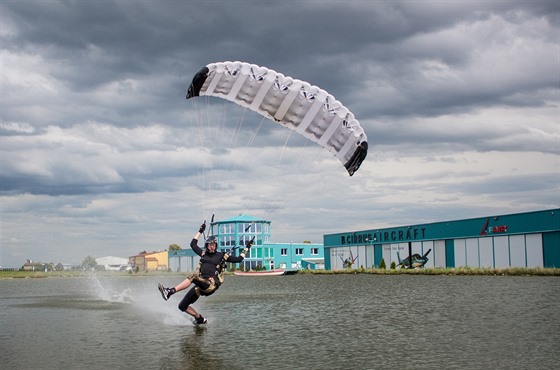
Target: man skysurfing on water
pixel 207 277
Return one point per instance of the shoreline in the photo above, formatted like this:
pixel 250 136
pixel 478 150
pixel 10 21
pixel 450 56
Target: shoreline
pixel 460 271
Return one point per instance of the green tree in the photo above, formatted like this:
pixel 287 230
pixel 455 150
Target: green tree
pixel 89 263
pixel 174 247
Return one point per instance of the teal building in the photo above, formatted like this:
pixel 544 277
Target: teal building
pixel 232 235
pixel 530 239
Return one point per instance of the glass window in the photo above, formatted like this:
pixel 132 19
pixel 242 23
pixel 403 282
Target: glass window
pixel 299 251
pixel 226 229
pixel 314 251
pixel 284 251
pixel 226 241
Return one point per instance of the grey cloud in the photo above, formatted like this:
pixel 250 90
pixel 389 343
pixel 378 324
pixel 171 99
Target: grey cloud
pixel 94 112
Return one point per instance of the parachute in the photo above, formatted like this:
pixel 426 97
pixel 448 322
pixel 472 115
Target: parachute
pixel 297 105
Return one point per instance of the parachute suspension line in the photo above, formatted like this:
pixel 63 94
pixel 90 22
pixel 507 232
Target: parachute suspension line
pixel 224 177
pixel 272 178
pixel 251 139
pixel 215 125
pixel 229 141
pixel 293 193
pixel 202 113
pixel 207 121
pixel 237 128
pixel 269 203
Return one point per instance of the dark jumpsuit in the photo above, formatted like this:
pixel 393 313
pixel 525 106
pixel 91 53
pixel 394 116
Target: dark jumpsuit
pixel 209 276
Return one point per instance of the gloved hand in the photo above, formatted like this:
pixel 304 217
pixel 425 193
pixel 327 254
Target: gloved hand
pixel 202 228
pixel 249 243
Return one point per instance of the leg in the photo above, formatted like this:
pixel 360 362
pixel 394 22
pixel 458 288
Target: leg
pixel 190 298
pixel 191 311
pixel 183 284
pixel 185 305
pixel 168 292
pixel 198 280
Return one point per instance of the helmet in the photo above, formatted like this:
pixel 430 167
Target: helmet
pixel 210 240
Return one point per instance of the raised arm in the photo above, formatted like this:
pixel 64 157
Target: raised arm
pixel 241 256
pixel 194 241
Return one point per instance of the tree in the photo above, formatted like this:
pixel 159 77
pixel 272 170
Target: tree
pixel 174 247
pixel 89 263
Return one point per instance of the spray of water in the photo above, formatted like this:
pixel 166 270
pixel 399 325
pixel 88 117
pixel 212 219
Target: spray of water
pixel 140 296
pixel 106 292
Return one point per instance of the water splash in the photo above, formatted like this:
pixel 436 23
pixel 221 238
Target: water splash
pixel 124 297
pixel 107 292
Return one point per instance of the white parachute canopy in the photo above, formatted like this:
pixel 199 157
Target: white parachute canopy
pixel 297 105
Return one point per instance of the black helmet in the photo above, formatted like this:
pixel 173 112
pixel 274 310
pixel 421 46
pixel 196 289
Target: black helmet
pixel 210 240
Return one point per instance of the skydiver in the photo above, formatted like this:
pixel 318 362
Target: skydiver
pixel 208 276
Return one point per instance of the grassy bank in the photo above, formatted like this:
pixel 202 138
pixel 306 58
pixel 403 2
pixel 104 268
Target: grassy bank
pixel 38 274
pixel 513 271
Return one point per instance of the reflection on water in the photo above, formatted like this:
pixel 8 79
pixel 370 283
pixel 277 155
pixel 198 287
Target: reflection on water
pixel 296 322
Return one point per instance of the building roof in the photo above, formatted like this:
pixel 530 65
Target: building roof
pixel 146 254
pixel 242 218
pixel 111 260
pixel 294 244
pixel 512 224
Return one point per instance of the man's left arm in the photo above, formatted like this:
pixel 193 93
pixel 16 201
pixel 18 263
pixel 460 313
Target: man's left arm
pixel 241 256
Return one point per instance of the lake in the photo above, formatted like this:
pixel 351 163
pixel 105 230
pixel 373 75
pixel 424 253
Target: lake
pixel 349 321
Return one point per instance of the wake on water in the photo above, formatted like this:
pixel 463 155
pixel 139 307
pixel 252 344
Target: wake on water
pixel 144 300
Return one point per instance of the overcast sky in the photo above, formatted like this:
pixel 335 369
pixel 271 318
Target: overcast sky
pixel 101 154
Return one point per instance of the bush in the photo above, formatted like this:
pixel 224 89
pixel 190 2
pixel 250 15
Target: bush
pixel 393 265
pixel 382 264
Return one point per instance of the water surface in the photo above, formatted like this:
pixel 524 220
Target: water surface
pixel 288 322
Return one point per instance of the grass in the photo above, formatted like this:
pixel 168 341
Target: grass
pixel 512 271
pixel 38 274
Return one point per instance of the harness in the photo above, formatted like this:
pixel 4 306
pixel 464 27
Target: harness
pixel 214 282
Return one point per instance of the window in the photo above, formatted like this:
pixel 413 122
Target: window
pixel 227 241
pixel 315 251
pixel 226 229
pixel 299 251
pixel 284 251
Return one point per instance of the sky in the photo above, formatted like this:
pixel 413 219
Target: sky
pixel 102 155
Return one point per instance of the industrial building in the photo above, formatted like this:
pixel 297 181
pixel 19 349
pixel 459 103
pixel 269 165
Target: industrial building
pixel 149 261
pixel 530 239
pixel 111 263
pixel 233 233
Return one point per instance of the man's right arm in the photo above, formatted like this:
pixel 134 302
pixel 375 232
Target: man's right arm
pixel 195 247
pixel 194 242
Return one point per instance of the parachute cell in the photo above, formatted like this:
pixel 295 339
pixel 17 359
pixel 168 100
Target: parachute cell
pixel 297 105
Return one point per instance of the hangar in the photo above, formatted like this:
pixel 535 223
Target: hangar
pixel 530 239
